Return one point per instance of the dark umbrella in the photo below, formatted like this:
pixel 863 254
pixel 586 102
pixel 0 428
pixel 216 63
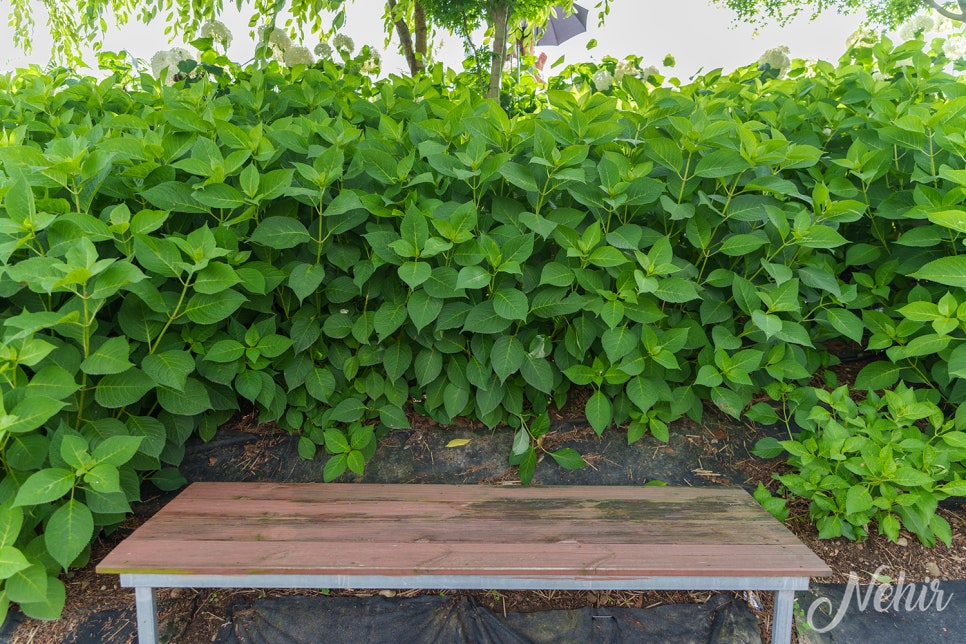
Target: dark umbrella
pixel 562 27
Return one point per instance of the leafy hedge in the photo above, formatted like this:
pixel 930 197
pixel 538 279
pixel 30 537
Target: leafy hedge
pixel 338 252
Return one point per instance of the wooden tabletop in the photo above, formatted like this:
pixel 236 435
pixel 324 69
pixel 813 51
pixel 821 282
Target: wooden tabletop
pixel 403 530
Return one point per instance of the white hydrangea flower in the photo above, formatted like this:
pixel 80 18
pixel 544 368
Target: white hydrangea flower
pixel 861 38
pixel 276 38
pixel 217 31
pixel 323 50
pixel 649 71
pixel 878 76
pixel 778 59
pixel 916 27
pixel 602 80
pixel 344 311
pixel 297 56
pixel 943 25
pixel 955 47
pixel 373 64
pixel 168 60
pixel 343 43
pixel 624 67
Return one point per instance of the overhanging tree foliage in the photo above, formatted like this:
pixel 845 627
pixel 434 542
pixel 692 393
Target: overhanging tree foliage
pixel 888 13
pixel 74 25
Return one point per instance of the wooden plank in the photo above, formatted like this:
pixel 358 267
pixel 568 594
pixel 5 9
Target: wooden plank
pixel 237 528
pixel 538 560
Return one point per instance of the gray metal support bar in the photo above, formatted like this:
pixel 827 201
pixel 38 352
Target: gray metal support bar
pixel 147 615
pixel 781 622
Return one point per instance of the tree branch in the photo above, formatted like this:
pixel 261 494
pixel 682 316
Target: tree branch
pixel 405 39
pixel 500 18
pixel 419 23
pixel 943 11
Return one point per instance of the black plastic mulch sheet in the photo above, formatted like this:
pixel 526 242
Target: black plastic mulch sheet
pixel 917 613
pixel 461 620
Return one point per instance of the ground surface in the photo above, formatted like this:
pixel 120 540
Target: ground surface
pixel 716 452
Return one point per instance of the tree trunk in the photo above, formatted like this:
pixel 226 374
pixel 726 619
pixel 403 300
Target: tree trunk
pixel 405 40
pixel 499 19
pixel 419 23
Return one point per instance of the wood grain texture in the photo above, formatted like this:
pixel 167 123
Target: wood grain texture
pixel 566 531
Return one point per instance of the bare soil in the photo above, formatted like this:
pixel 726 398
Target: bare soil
pixel 197 614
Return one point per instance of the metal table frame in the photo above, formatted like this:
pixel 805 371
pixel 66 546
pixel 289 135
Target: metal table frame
pixel 145 584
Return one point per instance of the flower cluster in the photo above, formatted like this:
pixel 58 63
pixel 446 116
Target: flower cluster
pixel 324 50
pixel 168 60
pixel 861 38
pixel 373 64
pixel 916 27
pixel 343 43
pixel 778 59
pixel 297 56
pixel 955 47
pixel 217 31
pixel 602 80
pixel 623 68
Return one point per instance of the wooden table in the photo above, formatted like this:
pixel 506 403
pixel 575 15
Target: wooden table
pixel 313 535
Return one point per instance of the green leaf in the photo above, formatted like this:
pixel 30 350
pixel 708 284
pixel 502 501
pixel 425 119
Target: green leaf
pixel 12 561
pixel 334 468
pixel 569 459
pixel 280 233
pixel 483 318
pixel 507 356
pixel 28 585
pixel 320 383
pixel 396 360
pixel 537 373
pixel 44 486
pixel 191 401
pixel 950 271
pixel 676 290
pixel 857 500
pixel 349 410
pixel 336 441
pixel 414 273
pixel 117 450
pixel 225 351
pixel 455 399
pixel 510 304
pixel 169 369
pixel 909 477
pixel 472 277
pixel 423 309
pixel 215 277
pixel 305 279
pixel 720 163
pixel 11 520
pixel 68 531
pixel 119 390
pixel 619 342
pixel 31 413
pixel 877 375
pixel 742 244
pixel 599 411
pixel 821 237
pixel 204 308
pixel 847 323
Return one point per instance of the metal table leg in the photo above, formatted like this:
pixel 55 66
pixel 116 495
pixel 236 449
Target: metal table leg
pixel 147 615
pixel 781 623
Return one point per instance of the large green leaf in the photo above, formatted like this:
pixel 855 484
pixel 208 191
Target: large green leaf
pixel 44 486
pixel 511 304
pixel 280 233
pixel 169 368
pixel 119 390
pixel 507 356
pixel 599 411
pixel 31 413
pixel 191 401
pixel 950 271
pixel 68 531
pixel 204 308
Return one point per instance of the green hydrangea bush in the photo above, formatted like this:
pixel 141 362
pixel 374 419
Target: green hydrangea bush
pixel 338 253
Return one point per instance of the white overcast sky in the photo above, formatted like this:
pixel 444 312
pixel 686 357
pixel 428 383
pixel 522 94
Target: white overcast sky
pixel 697 34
